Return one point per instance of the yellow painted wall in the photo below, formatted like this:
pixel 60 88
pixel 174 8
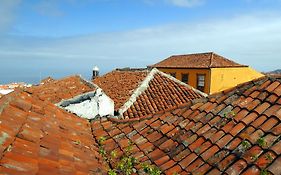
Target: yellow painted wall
pixel 192 76
pixel 224 78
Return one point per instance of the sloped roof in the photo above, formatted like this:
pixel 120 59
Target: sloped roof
pixel 140 93
pixel 36 137
pixel 162 93
pixel 198 60
pixel 119 85
pixel 234 132
pixel 58 90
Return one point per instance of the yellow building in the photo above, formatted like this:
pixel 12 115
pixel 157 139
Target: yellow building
pixel 208 72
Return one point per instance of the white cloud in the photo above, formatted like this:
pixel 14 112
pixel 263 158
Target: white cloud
pixel 250 39
pixel 186 3
pixel 7 13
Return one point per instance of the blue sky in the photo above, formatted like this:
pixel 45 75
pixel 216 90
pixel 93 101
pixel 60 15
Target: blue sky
pixel 40 38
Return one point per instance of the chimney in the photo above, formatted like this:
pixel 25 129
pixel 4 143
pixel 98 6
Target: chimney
pixel 95 72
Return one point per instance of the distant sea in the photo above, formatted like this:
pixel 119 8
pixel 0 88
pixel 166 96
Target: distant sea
pixel 33 70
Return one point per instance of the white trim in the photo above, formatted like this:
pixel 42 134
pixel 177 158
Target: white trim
pixel 142 87
pixel 145 84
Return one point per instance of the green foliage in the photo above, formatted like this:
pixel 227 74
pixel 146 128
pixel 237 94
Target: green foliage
pixel 111 172
pixel 269 157
pixel 229 115
pixel 77 142
pixel 151 169
pixel 254 157
pixel 261 142
pixel 126 164
pixel 245 144
pixel 101 140
pixel 264 172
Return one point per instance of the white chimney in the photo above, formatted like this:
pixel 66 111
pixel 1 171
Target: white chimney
pixel 95 72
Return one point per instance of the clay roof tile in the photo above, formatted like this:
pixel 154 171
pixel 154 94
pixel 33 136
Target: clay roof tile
pixel 203 138
pixel 198 60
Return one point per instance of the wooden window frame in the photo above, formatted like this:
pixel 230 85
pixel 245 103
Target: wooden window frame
pixel 201 88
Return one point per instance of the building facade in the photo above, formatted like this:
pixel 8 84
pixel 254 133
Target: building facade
pixel 208 72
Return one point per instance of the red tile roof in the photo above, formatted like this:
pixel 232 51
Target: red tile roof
pixel 58 90
pixel 237 131
pixel 161 94
pixel 140 93
pixel 198 60
pixel 36 137
pixel 119 85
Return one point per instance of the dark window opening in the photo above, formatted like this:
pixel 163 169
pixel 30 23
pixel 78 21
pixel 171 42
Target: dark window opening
pixel 184 78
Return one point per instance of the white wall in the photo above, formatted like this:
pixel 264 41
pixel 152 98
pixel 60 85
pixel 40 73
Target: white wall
pixel 89 105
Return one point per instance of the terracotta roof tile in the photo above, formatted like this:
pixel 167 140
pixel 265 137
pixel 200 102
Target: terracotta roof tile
pixel 50 141
pixel 58 90
pixel 119 85
pixel 209 137
pixel 141 93
pixel 232 132
pixel 199 60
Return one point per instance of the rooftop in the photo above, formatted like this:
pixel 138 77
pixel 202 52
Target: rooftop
pixel 119 85
pixel 58 90
pixel 236 131
pixel 37 137
pixel 138 93
pixel 198 60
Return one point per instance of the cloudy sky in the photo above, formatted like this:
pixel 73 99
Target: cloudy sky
pixel 40 38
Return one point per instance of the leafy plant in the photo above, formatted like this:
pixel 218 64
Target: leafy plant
pixel 254 157
pixel 261 142
pixel 264 172
pixel 126 164
pixel 151 169
pixel 245 144
pixel 229 115
pixel 269 157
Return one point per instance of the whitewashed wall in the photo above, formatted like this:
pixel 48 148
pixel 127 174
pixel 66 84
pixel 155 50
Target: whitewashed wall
pixel 89 105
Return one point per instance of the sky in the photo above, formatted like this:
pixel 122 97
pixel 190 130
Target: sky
pixel 58 38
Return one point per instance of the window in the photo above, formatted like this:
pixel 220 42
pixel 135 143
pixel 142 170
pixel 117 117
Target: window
pixel 201 82
pixel 173 74
pixel 184 78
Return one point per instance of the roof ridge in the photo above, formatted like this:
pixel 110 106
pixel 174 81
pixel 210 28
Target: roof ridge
pixel 211 59
pixel 198 53
pixel 230 60
pixel 145 84
pixel 137 92
pixel 88 83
